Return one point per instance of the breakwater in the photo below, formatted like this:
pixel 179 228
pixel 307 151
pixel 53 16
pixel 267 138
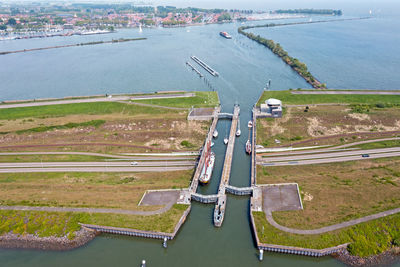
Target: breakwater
pixel 122 40
pixel 276 48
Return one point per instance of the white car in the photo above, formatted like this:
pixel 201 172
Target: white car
pixel 134 163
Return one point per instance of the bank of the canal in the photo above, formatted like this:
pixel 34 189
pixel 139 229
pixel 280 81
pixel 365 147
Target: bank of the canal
pixel 156 64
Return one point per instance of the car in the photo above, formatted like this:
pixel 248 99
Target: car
pixel 365 155
pixel 134 163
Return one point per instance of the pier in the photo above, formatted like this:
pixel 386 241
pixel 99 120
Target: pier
pixel 205 66
pixel 219 211
pixel 194 69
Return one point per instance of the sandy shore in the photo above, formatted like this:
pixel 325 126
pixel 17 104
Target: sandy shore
pixel 15 241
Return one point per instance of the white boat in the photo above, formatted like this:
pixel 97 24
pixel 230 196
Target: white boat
pixel 206 172
pixel 248 147
pixel 212 144
pixel 215 134
pixel 226 140
pixel 250 124
pixel 238 132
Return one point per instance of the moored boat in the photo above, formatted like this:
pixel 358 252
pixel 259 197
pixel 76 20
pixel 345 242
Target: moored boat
pixel 248 147
pixel 206 172
pixel 215 134
pixel 226 140
pixel 238 132
pixel 250 124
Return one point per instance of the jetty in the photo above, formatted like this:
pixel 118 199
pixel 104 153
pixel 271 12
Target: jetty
pixel 219 210
pixel 205 66
pixel 194 69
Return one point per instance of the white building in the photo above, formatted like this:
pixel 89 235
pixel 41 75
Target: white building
pixel 272 108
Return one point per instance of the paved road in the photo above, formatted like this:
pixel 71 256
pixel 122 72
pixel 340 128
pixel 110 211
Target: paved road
pixel 95 164
pixel 331 154
pixel 331 160
pixel 122 157
pixel 95 99
pixel 334 227
pixel 96 169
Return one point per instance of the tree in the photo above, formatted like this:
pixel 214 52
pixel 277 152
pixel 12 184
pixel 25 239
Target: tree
pixel 12 21
pixel 3 27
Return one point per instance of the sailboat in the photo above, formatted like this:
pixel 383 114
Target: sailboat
pixel 215 133
pixel 140 28
pixel 226 140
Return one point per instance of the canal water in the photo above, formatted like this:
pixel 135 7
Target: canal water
pixel 159 64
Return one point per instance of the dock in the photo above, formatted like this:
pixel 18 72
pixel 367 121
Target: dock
pixel 205 66
pixel 219 210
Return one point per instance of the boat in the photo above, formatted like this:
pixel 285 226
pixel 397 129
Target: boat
pixel 248 147
pixel 215 134
pixel 250 124
pixel 206 172
pixel 238 132
pixel 212 144
pixel 226 140
pixel 226 35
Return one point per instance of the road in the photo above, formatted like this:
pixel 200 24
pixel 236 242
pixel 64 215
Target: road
pixel 344 92
pixel 95 99
pixel 96 164
pixel 96 169
pixel 327 155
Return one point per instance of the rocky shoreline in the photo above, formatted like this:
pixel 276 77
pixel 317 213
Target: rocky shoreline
pixel 386 258
pixel 15 241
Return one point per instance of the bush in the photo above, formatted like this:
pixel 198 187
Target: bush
pixel 187 144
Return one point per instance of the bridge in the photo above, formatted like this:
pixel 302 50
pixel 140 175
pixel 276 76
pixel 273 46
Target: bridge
pixel 225 115
pixel 239 191
pixel 226 172
pixel 204 198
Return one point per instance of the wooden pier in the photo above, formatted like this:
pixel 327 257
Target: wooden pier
pixel 219 211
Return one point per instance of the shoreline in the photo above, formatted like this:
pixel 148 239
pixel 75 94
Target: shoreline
pixel 51 243
pixel 389 257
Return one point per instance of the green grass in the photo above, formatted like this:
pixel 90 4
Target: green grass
pixel 365 239
pixel 202 99
pixel 61 110
pixel 49 158
pixel 288 98
pixel 93 123
pixel 59 224
pixel 380 144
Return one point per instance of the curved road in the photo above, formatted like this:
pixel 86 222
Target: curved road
pixel 334 227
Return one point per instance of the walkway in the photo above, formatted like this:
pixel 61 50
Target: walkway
pixel 330 228
pixel 90 210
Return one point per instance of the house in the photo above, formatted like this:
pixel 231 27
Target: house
pixel 271 108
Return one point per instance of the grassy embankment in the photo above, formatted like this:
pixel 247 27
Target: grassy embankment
pixel 365 239
pixel 44 224
pixel 202 99
pixel 346 119
pixel 379 144
pixel 50 158
pixel 136 128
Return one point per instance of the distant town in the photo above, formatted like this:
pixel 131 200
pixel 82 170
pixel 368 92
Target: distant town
pixel 18 21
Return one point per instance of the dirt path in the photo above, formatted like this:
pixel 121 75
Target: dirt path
pixel 91 210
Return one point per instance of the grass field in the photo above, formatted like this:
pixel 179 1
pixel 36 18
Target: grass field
pixel 288 98
pixel 96 190
pixel 135 128
pixel 328 125
pixel 202 99
pixel 380 144
pixel 365 239
pixel 337 192
pixel 44 224
pixel 49 158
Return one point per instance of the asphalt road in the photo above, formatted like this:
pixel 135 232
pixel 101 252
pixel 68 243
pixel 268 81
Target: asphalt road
pixel 96 169
pixel 330 160
pixel 331 155
pixel 96 164
pixel 95 99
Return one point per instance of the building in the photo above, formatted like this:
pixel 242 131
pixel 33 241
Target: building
pixel 271 108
